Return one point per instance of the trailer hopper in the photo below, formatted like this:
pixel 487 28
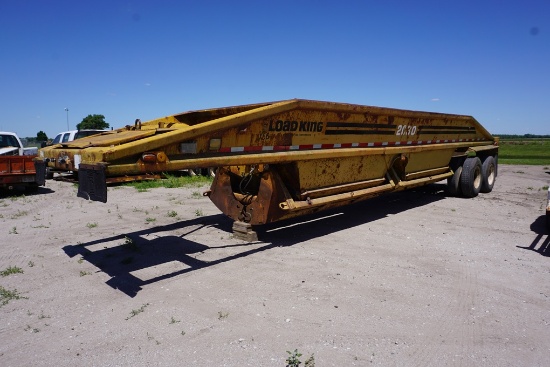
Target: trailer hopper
pixel 285 159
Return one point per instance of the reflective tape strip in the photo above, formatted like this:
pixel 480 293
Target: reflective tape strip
pixel 274 148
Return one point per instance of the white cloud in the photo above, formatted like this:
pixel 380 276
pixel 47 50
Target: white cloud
pixel 435 99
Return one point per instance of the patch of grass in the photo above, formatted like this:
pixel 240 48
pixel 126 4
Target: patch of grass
pixel 83 273
pixel 171 181
pixel 173 320
pixel 196 195
pixel 11 270
pixel 91 225
pixel 172 213
pixel 138 311
pixel 30 264
pixel 198 213
pixel 545 187
pixel 6 296
pixel 13 230
pixel 150 220
pixel 524 151
pixel 222 315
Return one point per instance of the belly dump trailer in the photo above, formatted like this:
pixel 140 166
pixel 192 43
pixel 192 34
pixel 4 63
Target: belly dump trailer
pixel 289 158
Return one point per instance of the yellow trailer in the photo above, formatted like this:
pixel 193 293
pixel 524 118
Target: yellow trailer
pixel 289 158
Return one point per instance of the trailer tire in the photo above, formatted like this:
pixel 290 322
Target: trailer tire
pixel 488 174
pixel 470 179
pixel 453 183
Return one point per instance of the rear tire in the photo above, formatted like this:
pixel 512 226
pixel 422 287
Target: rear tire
pixel 453 183
pixel 488 174
pixel 471 177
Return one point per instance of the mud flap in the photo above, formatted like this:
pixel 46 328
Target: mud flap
pixel 92 183
pixel 40 168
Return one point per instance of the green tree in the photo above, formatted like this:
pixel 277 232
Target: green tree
pixel 93 122
pixel 41 136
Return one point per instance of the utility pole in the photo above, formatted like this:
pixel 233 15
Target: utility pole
pixel 67 110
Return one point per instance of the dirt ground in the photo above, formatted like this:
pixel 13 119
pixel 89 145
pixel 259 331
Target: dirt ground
pixel 156 278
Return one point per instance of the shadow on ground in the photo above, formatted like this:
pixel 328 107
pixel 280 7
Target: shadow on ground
pixel 148 247
pixel 22 191
pixel 541 243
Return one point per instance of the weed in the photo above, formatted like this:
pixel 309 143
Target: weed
pixel 20 213
pixel 130 244
pixel 30 264
pixel 40 226
pixel 196 195
pixel 42 316
pixel 545 187
pixel 310 362
pixel 293 359
pixel 172 213
pixel 6 296
pixel 173 320
pixel 119 216
pixel 11 270
pixel 182 332
pixel 13 230
pixel 31 329
pixel 222 315
pixel 91 225
pixel 138 311
pixel 150 220
pixel 81 260
pixel 529 188
pixel 83 273
pixel 149 337
pixel 198 213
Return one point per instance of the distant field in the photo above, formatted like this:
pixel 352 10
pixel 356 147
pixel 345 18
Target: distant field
pixel 524 151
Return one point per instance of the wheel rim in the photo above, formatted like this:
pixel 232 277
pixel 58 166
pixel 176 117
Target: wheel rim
pixel 491 175
pixel 477 179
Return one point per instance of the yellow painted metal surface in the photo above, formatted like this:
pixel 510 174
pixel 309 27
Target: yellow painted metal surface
pixel 313 154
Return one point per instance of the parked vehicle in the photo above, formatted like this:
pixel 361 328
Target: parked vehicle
pixel 17 167
pixel 285 159
pixel 66 136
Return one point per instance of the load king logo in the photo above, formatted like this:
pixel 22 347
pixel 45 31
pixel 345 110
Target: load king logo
pixel 307 126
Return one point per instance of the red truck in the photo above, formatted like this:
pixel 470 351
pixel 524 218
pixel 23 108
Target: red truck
pixel 17 168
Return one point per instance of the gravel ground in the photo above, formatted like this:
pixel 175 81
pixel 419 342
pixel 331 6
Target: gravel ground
pixel 156 279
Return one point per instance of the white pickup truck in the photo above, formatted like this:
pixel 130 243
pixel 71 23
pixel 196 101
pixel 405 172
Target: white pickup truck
pixel 17 168
pixel 10 144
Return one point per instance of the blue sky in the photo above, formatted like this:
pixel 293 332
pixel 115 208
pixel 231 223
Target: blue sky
pixel 146 59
